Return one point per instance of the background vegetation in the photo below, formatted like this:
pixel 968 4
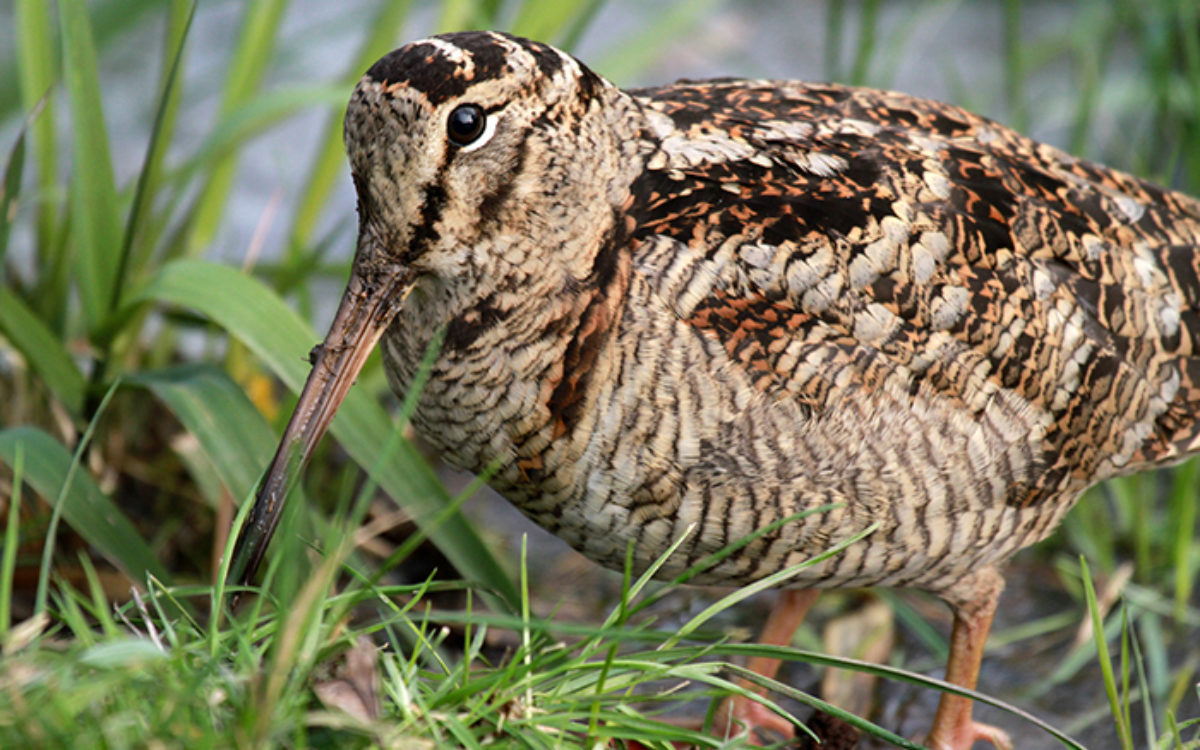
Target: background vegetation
pixel 153 330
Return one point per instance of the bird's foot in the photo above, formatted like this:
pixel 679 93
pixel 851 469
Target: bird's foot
pixel 738 712
pixel 965 734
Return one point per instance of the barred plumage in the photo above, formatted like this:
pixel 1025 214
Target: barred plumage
pixel 722 303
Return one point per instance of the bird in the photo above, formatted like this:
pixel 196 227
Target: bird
pixel 717 305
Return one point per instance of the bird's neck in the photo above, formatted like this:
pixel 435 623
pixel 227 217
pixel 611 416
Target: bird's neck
pixel 518 342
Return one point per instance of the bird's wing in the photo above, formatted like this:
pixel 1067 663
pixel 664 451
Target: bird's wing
pixel 834 238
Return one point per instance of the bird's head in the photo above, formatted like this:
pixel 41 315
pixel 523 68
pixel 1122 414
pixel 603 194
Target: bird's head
pixel 475 156
pixel 463 142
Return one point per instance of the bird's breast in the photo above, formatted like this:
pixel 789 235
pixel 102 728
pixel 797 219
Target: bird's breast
pixel 623 424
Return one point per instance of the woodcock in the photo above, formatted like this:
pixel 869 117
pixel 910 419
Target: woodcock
pixel 725 302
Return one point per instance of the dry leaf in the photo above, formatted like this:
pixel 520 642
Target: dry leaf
pixel 355 687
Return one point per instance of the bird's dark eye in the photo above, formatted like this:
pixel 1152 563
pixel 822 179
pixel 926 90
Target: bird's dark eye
pixel 466 123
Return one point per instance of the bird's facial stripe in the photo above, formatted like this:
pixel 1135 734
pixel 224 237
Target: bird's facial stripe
pixel 451 52
pixel 493 200
pixel 442 68
pixel 548 59
pixel 528 55
pixel 445 67
pixel 425 233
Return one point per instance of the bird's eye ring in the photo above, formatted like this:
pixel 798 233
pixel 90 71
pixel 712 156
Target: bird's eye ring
pixel 467 122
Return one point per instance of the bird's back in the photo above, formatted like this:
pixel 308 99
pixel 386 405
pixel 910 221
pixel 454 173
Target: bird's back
pixel 948 251
pixel 888 303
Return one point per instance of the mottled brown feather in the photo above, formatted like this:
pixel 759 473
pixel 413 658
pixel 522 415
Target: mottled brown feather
pixel 1010 210
pixel 767 314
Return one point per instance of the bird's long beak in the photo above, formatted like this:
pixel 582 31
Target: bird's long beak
pixel 372 297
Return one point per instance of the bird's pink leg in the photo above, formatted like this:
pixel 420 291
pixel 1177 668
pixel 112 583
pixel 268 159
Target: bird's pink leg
pixel 974 604
pixel 781 625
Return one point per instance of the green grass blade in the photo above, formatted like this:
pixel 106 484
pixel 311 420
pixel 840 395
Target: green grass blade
pixel 861 724
pixel 125 652
pixel 864 52
pixel 1014 66
pixel 8 555
pixel 1106 668
pixel 260 320
pixel 568 37
pixel 110 18
pixel 150 229
pixel 43 350
pixel 56 514
pixel 908 617
pixel 98 606
pixel 37 71
pixel 168 102
pixel 639 51
pixel 775 579
pixel 251 119
pixel 217 602
pixel 1091 53
pixel 1183 510
pixel 331 157
pixel 884 671
pixel 86 509
pixel 10 187
pixel 259 25
pixel 835 32
pixel 546 20
pixel 526 653
pixel 1145 689
pixel 458 15
pixel 231 431
pixel 94 214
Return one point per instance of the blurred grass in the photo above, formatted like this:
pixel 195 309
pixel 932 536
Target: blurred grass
pixel 106 294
